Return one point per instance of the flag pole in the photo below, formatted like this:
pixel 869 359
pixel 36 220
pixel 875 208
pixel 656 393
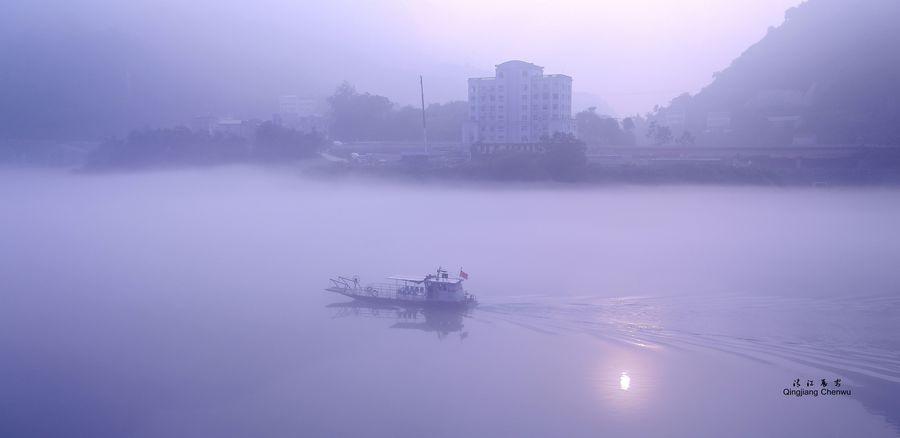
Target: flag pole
pixel 424 129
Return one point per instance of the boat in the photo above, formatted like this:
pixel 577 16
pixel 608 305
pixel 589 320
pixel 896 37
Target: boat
pixel 430 290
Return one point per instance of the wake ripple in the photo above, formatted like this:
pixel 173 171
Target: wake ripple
pixel 856 334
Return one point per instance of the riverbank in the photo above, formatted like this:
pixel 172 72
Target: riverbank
pixel 755 166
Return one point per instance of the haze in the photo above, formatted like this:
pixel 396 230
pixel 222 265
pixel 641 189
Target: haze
pixel 632 55
pixel 232 218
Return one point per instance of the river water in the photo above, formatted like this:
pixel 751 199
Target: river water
pixel 191 303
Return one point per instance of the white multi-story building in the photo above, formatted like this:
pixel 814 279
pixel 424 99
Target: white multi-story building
pixel 520 104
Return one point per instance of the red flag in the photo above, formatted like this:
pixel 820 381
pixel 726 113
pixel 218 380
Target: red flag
pixel 463 275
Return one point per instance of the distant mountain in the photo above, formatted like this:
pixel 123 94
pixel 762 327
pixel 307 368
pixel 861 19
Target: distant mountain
pixel 830 74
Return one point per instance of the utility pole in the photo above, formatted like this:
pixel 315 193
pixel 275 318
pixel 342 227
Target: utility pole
pixel 424 128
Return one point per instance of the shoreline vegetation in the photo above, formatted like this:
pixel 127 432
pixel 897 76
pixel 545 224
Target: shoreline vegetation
pixel 368 135
pixel 870 167
pixel 561 159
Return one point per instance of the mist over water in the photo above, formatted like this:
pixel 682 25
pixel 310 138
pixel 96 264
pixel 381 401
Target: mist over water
pixel 191 303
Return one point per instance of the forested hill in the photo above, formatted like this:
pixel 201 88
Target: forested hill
pixel 829 74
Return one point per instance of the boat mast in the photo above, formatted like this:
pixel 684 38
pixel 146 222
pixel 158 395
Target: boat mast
pixel 424 129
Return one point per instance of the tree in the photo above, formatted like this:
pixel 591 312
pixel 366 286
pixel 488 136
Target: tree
pixel 685 139
pixel 168 146
pixel 596 129
pixel 275 142
pixel 445 121
pixel 628 126
pixel 356 116
pixel 659 134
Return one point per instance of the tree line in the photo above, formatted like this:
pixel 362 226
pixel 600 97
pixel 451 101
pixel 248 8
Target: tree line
pixel 180 145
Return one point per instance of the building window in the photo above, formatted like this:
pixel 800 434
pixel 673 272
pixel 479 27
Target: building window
pixel 555 96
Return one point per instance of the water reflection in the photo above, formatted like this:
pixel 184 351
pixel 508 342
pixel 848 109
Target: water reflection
pixel 428 319
pixel 624 381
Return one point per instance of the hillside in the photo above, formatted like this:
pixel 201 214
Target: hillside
pixel 830 74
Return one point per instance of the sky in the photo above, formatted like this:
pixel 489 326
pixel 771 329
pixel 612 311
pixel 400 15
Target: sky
pixel 631 54
pixel 634 54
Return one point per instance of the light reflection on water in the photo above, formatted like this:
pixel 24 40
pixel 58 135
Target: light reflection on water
pixel 624 381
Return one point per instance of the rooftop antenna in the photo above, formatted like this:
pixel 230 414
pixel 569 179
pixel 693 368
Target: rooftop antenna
pixel 424 129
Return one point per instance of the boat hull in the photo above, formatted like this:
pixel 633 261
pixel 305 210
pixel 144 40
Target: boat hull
pixel 469 303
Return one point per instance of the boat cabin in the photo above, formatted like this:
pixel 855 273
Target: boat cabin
pixel 432 287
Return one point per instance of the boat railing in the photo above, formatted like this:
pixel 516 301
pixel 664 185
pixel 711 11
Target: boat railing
pixel 380 290
pixel 345 283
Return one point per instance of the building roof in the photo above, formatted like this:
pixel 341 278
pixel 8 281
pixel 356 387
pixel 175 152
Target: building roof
pixel 515 61
pixel 422 278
